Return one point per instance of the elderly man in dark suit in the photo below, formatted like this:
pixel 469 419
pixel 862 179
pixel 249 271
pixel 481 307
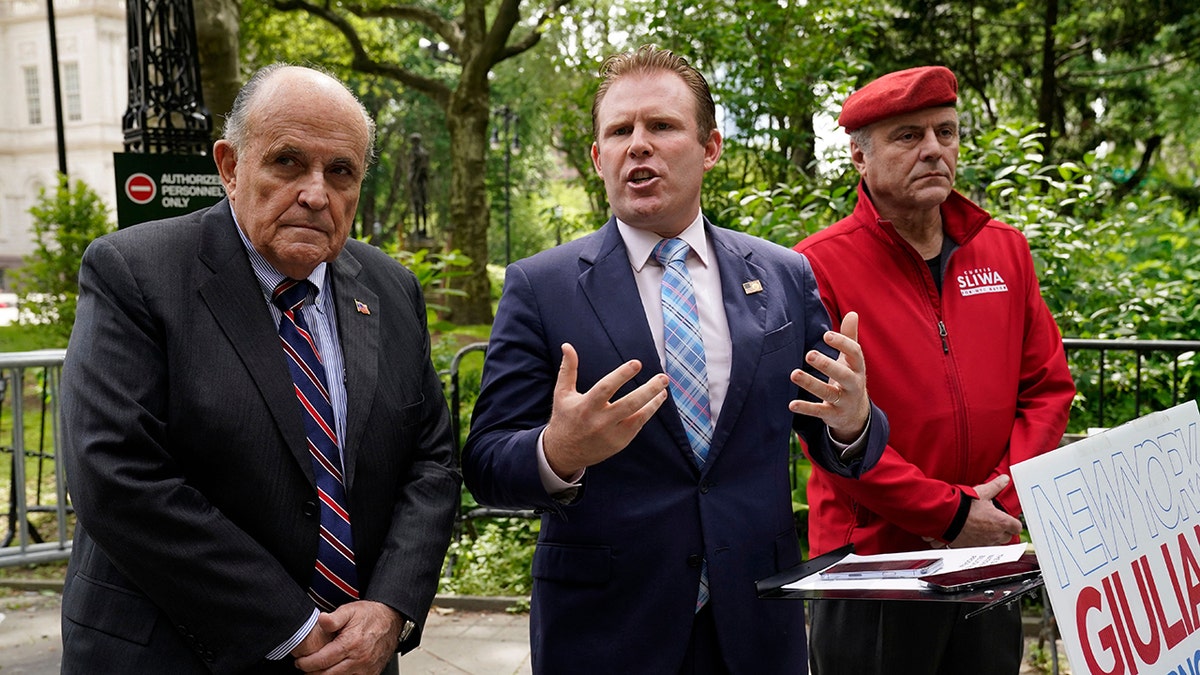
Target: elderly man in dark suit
pixel 258 447
pixel 637 390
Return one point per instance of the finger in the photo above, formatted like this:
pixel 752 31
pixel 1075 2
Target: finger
pixel 607 386
pixel 568 371
pixel 840 377
pixel 638 418
pixel 990 489
pixel 850 352
pixel 850 325
pixel 825 391
pixel 644 395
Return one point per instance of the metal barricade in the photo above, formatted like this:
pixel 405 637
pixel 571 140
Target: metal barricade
pixel 27 377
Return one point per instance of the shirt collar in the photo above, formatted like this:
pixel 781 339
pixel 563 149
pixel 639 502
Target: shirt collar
pixel 269 277
pixel 639 244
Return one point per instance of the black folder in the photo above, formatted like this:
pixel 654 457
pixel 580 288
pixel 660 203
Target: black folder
pixel 986 598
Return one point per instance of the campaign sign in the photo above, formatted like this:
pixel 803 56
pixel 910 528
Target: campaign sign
pixel 1115 521
pixel 154 186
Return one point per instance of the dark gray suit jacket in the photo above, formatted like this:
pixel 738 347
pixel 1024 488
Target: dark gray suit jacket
pixel 188 465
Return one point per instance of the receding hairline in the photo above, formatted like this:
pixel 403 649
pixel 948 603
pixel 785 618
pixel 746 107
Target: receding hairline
pixel 259 90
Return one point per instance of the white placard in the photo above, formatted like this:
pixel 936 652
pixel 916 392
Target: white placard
pixel 1115 522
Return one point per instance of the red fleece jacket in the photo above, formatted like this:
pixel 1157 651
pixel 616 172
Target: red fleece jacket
pixel 973 379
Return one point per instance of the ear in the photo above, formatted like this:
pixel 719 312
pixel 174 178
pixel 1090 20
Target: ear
pixel 226 159
pixel 858 157
pixel 712 149
pixel 596 159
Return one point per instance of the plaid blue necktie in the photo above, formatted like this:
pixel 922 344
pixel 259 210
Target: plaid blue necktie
pixel 335 579
pixel 686 367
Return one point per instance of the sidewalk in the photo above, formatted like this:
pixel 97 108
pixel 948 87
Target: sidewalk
pixel 456 641
pixel 463 636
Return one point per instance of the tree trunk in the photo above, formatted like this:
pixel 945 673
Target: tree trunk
pixel 467 120
pixel 1048 95
pixel 217 42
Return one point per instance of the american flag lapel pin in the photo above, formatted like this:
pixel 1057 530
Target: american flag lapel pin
pixel 361 307
pixel 753 286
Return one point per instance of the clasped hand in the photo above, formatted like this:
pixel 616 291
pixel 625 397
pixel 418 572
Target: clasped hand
pixel 986 524
pixel 358 638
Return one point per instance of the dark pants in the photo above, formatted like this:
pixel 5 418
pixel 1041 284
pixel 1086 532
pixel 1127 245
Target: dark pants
pixel 703 656
pixel 866 637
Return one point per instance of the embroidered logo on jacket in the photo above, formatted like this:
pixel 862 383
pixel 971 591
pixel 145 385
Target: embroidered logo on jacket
pixel 981 280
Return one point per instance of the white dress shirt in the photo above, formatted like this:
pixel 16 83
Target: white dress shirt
pixel 710 305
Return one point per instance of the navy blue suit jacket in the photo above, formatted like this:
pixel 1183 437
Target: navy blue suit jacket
pixel 616 570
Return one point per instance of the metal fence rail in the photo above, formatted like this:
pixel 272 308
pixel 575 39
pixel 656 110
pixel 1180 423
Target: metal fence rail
pixel 32 377
pixel 34 491
pixel 1183 384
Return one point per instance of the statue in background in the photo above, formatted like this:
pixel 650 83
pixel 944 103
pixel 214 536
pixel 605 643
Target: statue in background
pixel 418 185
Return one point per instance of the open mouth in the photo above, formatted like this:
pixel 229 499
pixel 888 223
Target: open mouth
pixel 641 176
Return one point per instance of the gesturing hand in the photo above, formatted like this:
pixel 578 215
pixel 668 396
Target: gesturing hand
pixel 588 428
pixel 843 402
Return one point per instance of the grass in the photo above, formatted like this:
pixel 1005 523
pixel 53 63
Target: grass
pixel 20 337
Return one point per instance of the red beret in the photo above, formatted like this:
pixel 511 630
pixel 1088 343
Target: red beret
pixel 897 93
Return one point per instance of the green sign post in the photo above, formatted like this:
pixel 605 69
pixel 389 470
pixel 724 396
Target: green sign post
pixel 154 186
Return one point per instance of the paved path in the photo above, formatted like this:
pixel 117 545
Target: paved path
pixel 456 642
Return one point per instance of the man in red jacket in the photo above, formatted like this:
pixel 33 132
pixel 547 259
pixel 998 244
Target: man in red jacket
pixel 966 361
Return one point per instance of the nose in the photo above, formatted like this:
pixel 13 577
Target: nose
pixel 639 143
pixel 930 147
pixel 313 192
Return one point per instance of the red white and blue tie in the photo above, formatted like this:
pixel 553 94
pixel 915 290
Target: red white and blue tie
pixel 687 369
pixel 335 580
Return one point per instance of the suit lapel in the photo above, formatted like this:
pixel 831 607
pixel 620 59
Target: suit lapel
pixel 609 287
pixel 234 298
pixel 359 333
pixel 612 292
pixel 746 314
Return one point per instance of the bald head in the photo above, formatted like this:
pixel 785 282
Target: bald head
pixel 282 84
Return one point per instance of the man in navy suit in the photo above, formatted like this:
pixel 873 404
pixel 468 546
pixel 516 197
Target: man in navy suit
pixel 190 461
pixel 647 556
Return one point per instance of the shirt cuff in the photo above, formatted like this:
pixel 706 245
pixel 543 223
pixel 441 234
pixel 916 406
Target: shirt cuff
pixel 854 450
pixel 556 487
pixel 286 648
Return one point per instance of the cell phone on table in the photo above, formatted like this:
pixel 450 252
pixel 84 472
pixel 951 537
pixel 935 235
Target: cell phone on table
pixel 982 577
pixel 882 569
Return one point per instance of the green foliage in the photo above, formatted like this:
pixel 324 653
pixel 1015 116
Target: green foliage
pixel 433 271
pixel 493 557
pixel 1107 269
pixel 27 337
pixel 785 214
pixel 65 221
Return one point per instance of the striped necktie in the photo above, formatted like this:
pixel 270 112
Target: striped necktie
pixel 686 368
pixel 335 580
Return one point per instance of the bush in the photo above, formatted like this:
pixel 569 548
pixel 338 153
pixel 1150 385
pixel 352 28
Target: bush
pixel 492 558
pixel 64 223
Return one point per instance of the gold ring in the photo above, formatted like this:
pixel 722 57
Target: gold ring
pixel 835 401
